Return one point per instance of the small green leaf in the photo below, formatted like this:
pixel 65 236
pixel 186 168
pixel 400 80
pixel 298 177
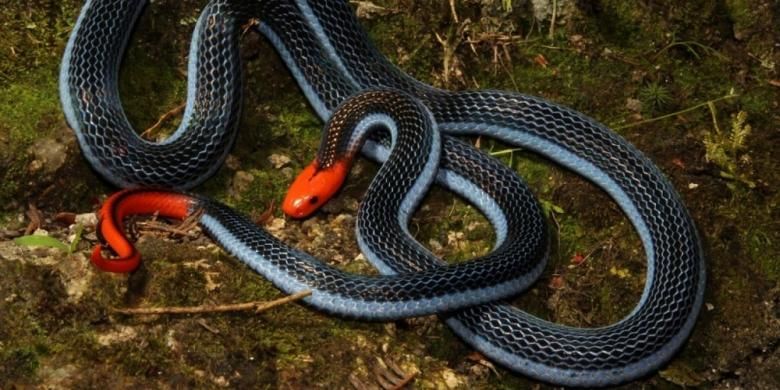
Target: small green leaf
pixel 551 208
pixel 74 245
pixel 44 241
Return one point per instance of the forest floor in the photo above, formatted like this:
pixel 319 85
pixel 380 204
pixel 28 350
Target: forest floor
pixel 695 85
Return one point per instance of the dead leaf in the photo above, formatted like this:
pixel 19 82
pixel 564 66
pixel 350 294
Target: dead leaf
pixel 541 61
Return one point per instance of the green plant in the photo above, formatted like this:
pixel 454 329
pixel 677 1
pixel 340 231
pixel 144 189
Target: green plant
pixel 507 5
pixel 550 209
pixel 691 47
pixel 727 149
pixel 51 242
pixel 655 96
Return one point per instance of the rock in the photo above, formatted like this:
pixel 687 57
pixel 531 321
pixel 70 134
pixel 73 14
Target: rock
pixel 232 162
pixel 435 245
pixel 76 275
pixel 455 239
pixel 278 161
pixel 241 182
pixel 276 225
pixel 342 222
pixel 58 377
pixel 451 380
pixel 288 173
pixel 40 256
pixel 543 9
pixel 121 334
pixel 341 204
pixel 634 105
pixel 49 156
pixel 87 219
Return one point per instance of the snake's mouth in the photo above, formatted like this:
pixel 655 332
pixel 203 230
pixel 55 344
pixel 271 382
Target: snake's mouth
pixel 313 187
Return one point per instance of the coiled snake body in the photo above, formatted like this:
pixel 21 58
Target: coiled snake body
pixel 332 59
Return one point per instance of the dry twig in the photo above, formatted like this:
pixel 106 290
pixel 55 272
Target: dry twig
pixel 164 118
pixel 36 219
pixel 257 307
pixel 388 376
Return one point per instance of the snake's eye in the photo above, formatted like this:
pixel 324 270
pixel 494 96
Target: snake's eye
pixel 314 200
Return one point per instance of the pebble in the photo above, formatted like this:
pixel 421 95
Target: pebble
pixel 451 380
pixel 288 173
pixel 435 245
pixel 87 219
pixel 455 238
pixel 279 161
pixel 241 181
pixel 276 225
pixel 634 105
pixel 121 334
pixel 50 155
pixel 232 162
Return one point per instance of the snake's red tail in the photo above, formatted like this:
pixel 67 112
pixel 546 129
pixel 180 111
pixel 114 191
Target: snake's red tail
pixel 133 202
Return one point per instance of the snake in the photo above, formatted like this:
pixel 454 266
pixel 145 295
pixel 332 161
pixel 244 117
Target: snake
pixel 334 63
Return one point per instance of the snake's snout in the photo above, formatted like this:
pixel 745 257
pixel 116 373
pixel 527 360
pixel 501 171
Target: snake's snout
pixel 313 188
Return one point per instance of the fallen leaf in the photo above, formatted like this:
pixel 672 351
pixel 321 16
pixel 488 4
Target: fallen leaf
pixel 557 282
pixel 541 61
pixel 44 241
pixel 578 258
pixel 266 216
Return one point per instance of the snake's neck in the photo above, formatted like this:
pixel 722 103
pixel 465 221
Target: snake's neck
pixel 382 112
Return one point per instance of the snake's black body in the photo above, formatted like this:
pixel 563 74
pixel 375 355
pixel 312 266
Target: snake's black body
pixel 332 59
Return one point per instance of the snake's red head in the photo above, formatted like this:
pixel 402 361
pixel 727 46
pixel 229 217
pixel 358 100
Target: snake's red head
pixel 313 188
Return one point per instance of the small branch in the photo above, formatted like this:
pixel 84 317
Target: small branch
pixel 160 227
pixel 504 152
pixel 257 307
pixel 181 230
pixel 36 219
pixel 454 11
pixel 164 118
pixel 552 18
pixel 731 95
pixel 714 113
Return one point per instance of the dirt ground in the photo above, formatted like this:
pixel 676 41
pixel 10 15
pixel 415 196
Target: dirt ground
pixel 694 85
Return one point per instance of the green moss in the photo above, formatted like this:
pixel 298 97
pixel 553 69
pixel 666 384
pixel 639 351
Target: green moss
pixel 19 364
pixel 398 37
pixel 760 244
pixel 758 100
pixel 33 41
pixel 29 106
pixel 162 90
pixel 620 22
pixel 741 13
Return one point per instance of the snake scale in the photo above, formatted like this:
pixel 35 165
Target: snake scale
pixel 333 60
